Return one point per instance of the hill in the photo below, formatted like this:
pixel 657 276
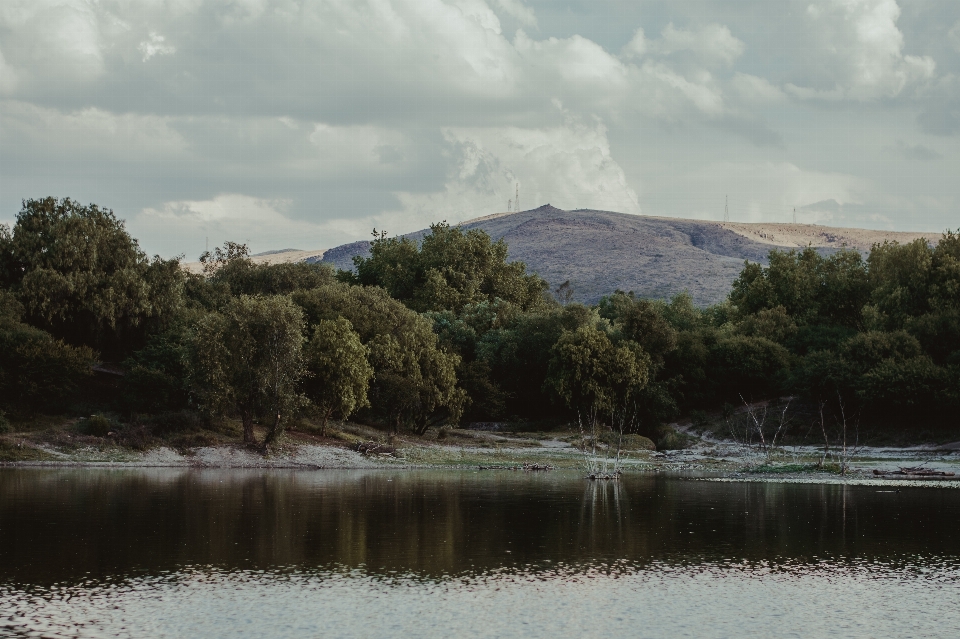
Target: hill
pixel 600 251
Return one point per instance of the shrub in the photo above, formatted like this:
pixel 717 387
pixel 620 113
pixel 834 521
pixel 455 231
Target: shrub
pixel 97 425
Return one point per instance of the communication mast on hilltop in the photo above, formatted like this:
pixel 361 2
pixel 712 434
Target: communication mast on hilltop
pixel 516 199
pixel 726 208
pixel 509 206
pixel 794 215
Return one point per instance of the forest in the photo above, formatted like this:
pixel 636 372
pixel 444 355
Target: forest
pixel 447 330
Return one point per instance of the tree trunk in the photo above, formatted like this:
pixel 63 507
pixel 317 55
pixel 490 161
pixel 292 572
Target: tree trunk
pixel 248 436
pixel 324 418
pixel 272 433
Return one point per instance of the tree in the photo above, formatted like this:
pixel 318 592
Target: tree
pixel 35 368
pixel 339 373
pixel 448 270
pixel 588 372
pixel 248 360
pixel 741 365
pixel 641 321
pixel 231 268
pixel 415 382
pixel 812 288
pixel 80 276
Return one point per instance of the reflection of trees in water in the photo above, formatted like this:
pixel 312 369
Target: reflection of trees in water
pixel 64 524
pixel 604 517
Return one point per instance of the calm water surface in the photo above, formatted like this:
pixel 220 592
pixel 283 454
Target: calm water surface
pixel 185 553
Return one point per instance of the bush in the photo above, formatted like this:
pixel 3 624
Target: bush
pixel 671 439
pixel 5 426
pixel 98 425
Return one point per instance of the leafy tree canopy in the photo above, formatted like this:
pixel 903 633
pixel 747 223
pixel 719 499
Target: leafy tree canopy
pixel 249 359
pixel 80 276
pixel 338 371
pixel 450 269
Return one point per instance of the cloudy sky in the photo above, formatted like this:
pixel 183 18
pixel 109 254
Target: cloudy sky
pixel 305 123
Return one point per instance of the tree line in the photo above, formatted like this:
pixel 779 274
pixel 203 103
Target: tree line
pixel 444 330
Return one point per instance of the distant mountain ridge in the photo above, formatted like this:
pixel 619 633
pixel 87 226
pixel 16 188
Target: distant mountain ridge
pixel 601 251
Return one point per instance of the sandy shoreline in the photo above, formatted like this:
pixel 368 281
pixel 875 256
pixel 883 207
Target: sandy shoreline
pixel 713 462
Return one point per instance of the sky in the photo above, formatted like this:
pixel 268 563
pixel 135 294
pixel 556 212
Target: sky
pixel 306 124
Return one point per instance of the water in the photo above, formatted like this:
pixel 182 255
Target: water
pixel 175 553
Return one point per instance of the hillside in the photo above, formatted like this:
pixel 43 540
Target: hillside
pixel 600 252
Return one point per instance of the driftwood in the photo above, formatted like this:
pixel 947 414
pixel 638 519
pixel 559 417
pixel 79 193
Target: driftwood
pixel 915 472
pixel 529 467
pixel 373 448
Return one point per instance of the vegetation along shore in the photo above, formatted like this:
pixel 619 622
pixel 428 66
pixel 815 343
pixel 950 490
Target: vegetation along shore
pixel 440 351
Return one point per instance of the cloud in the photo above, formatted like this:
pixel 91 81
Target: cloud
pixel 637 46
pixel 155 44
pixel 761 191
pixel 53 40
pixel 519 12
pixel 940 113
pixel 913 152
pixel 568 166
pixel 260 223
pixel 856 52
pixel 954 36
pixel 755 90
pixel 713 44
pixel 85 134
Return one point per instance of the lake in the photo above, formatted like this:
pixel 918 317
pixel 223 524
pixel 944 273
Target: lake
pixel 228 553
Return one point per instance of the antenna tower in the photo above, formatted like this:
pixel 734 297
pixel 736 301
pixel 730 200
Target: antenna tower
pixel 516 199
pixel 726 208
pixel 794 215
pixel 509 206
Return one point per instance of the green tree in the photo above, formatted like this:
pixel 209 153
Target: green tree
pixel 448 270
pixel 518 355
pixel 747 366
pixel 812 288
pixel 415 382
pixel 36 370
pixel 81 277
pixel 339 373
pixel 232 269
pixel 588 372
pixel 248 360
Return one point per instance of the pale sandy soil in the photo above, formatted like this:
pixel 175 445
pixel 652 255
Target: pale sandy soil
pixel 725 460
pixel 801 235
pixel 279 257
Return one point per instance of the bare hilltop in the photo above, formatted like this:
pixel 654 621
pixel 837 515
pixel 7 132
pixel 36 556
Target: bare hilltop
pixel 657 257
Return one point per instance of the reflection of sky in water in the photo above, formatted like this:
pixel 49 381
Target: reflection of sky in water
pixel 659 600
pixel 441 553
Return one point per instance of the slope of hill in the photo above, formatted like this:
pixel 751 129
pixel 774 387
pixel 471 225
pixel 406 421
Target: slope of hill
pixel 600 252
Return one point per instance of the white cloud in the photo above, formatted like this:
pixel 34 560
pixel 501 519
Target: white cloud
pixel 574 59
pixel 637 45
pixel 954 35
pixel 155 44
pixel 713 43
pixel 58 40
pixel 569 166
pixel 763 191
pixel 857 52
pixel 262 224
pixel 756 90
pixel 8 77
pixel 518 11
pixel 88 134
